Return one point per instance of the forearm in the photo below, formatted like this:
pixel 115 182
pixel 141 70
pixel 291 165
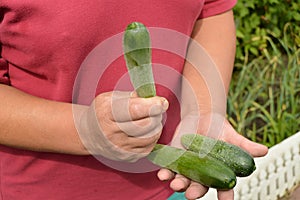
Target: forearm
pixel 209 81
pixel 32 123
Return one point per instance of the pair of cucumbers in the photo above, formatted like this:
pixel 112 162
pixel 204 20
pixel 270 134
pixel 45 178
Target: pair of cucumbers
pixel 211 162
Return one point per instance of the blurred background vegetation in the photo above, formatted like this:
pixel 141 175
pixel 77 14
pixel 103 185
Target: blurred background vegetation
pixel 264 97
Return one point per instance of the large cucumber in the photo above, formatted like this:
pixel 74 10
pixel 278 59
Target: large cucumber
pixel 207 171
pixel 236 158
pixel 137 53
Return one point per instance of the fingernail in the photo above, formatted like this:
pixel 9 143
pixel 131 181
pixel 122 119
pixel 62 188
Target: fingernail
pixel 165 104
pixel 133 94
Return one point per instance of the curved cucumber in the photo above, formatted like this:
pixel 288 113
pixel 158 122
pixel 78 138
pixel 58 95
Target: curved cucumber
pixel 236 158
pixel 207 170
pixel 137 53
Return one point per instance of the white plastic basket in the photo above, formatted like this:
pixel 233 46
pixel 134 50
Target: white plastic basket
pixel 277 173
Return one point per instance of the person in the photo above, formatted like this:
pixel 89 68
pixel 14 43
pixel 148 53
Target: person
pixel 45 150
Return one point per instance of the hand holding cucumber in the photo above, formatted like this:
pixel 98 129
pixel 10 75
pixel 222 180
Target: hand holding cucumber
pixel 121 126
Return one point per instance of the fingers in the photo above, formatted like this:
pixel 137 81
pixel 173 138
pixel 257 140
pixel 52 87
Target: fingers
pixel 165 174
pixel 226 195
pixel 255 149
pixel 122 141
pixel 135 108
pixel 138 117
pixel 144 128
pixel 179 183
pixel 195 191
pixel 120 147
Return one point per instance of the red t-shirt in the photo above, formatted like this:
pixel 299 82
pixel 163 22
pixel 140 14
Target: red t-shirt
pixel 44 44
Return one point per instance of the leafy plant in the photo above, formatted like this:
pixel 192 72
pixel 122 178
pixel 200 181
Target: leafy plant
pixel 258 19
pixel 264 97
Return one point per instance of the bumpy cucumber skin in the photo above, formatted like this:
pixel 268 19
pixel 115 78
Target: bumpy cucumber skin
pixel 207 170
pixel 233 156
pixel 137 53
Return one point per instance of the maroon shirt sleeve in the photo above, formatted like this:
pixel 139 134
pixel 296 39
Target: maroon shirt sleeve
pixel 214 7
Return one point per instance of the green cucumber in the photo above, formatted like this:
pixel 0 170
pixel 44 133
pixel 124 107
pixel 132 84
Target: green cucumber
pixel 137 53
pixel 241 162
pixel 207 170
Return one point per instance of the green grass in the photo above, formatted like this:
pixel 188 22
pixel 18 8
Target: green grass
pixel 264 96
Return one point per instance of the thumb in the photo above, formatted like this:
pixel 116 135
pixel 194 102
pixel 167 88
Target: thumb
pixel 255 149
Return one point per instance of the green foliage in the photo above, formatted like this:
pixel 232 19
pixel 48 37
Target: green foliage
pixel 259 19
pixel 264 97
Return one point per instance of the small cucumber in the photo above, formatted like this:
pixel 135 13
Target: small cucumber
pixel 233 156
pixel 207 170
pixel 137 53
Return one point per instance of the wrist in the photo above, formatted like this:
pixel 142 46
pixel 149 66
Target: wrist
pixel 80 115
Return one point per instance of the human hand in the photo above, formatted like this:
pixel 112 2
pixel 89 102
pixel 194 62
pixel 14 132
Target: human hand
pixel 226 133
pixel 121 126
